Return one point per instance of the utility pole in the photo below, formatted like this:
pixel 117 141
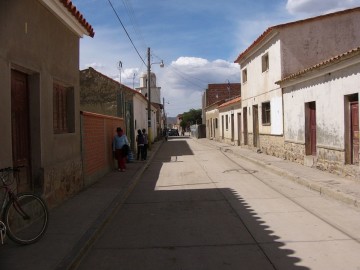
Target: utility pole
pixel 149 97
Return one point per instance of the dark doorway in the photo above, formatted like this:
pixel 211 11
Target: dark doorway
pixel 20 126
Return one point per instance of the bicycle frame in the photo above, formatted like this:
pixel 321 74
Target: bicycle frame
pixel 8 196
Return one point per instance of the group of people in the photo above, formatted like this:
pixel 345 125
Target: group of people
pixel 142 144
pixel 121 147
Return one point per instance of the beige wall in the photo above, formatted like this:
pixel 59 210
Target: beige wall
pixel 34 41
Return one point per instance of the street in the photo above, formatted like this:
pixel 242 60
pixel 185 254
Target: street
pixel 197 207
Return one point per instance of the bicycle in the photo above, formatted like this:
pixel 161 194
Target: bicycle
pixel 24 217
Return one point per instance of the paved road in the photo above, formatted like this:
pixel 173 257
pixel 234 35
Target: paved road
pixel 197 207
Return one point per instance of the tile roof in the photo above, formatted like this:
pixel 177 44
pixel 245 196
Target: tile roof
pixel 268 31
pixel 76 13
pixel 230 102
pixel 333 60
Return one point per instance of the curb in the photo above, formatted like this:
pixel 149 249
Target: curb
pixel 322 190
pixel 80 249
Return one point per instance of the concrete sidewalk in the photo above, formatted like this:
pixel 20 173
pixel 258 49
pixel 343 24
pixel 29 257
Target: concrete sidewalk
pixel 343 189
pixel 76 224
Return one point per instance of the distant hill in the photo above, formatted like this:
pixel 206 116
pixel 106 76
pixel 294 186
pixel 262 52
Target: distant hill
pixel 171 120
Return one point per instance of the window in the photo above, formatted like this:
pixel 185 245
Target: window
pixel 227 121
pixel 265 62
pixel 265 112
pixel 216 123
pixel 63 109
pixel 244 75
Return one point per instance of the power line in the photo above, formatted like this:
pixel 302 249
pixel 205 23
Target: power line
pixel 126 32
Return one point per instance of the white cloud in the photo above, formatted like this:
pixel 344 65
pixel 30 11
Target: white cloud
pixel 185 79
pixel 311 7
pixel 190 61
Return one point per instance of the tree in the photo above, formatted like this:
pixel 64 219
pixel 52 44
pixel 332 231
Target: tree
pixel 191 117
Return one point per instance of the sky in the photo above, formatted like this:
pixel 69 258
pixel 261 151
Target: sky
pixel 198 40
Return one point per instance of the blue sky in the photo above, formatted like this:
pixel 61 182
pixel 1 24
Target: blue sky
pixel 198 40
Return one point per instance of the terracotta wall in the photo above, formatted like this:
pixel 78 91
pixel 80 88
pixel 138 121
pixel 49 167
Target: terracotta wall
pixel 97 132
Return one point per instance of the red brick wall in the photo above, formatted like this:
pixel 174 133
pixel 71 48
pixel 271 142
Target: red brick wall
pixel 220 91
pixel 97 135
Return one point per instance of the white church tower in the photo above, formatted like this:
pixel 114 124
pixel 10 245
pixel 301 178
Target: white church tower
pixel 155 91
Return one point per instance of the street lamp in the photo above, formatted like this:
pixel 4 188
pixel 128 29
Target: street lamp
pixel 149 93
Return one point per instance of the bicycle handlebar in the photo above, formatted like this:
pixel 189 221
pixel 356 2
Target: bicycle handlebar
pixel 12 169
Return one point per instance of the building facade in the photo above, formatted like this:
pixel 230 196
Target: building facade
pixel 39 76
pixel 321 108
pixel 276 54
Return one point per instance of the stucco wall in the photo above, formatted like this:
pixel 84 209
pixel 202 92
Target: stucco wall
pixel 260 87
pixel 318 40
pixel 328 92
pixel 235 110
pixel 35 42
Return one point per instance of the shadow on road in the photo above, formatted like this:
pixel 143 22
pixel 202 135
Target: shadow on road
pixel 188 228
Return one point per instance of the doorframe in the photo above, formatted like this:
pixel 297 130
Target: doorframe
pixel 256 139
pixel 348 100
pixel 232 127
pixel 245 125
pixel 239 128
pixel 310 137
pixel 25 130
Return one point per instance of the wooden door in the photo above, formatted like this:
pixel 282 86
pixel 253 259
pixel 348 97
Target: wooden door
pixel 313 128
pixel 245 126
pixel 354 110
pixel 20 126
pixel 239 128
pixel 256 126
pixel 222 128
pixel 232 127
pixel 310 128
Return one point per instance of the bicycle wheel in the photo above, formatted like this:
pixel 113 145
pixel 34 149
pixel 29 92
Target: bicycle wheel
pixel 26 218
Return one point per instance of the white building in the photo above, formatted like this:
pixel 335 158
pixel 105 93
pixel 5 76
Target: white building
pixel 280 51
pixel 230 121
pixel 321 108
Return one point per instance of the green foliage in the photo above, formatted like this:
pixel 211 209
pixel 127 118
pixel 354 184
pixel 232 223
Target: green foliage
pixel 191 117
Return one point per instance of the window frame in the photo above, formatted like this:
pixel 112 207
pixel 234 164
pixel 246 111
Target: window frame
pixel 244 75
pixel 63 109
pixel 265 62
pixel 266 113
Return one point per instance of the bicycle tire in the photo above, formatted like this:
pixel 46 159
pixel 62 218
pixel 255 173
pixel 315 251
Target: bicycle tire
pixel 26 218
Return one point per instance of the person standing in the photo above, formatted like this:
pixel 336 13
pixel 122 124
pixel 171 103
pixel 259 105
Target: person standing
pixel 119 141
pixel 140 144
pixel 146 143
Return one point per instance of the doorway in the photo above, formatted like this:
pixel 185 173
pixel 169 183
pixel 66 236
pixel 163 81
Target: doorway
pixel 239 128
pixel 256 126
pixel 310 128
pixel 20 126
pixel 352 136
pixel 245 126
pixel 354 131
pixel 232 127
